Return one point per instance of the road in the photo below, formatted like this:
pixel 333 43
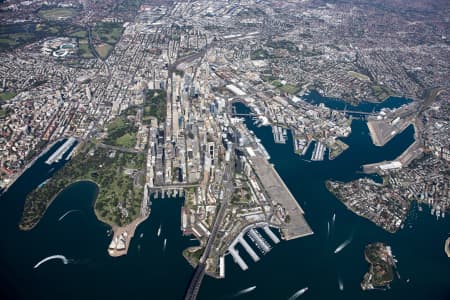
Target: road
pixel 227 188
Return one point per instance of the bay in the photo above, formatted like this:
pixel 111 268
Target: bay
pixel 150 271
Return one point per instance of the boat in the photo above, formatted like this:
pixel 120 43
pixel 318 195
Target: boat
pixel 298 293
pixel 341 284
pixel 43 183
pixel 158 233
pixel 245 291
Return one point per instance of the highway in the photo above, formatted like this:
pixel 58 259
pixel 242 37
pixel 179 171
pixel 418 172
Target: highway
pixel 227 188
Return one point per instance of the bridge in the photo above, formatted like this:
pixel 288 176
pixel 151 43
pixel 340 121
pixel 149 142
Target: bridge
pixel 368 113
pixel 245 115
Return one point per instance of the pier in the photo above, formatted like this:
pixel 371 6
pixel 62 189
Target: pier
pixel 278 192
pixel 58 154
pixel 270 233
pixel 238 259
pixel 249 249
pixel 318 152
pixel 256 238
pixel 279 134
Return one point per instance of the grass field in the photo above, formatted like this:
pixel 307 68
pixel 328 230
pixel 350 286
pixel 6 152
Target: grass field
pixel 381 92
pixel 103 50
pixel 260 54
pixel 121 132
pixel 59 13
pixel 6 96
pixel 113 171
pixel 85 51
pixel 79 34
pixel 155 105
pixel 107 32
pixel 14 39
pixel 289 88
pixel 15 35
pixel 277 83
pixel 359 76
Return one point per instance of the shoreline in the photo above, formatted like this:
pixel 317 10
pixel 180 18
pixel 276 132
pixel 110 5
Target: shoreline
pixel 348 207
pixel 30 222
pixel 127 232
pixel 447 247
pixel 17 175
pixel 27 228
pixel 129 229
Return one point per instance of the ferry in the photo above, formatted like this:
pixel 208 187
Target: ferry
pixel 298 293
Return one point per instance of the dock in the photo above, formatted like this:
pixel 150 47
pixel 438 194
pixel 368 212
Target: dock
pixel 59 153
pixel 249 249
pixel 414 151
pixel 318 152
pixel 256 238
pixel 270 233
pixel 279 134
pixel 279 193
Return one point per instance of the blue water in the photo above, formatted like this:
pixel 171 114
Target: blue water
pixel 149 272
pixel 392 102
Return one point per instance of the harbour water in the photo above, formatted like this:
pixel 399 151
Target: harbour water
pixel 392 102
pixel 148 271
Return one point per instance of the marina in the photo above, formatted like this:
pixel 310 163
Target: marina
pixel 318 152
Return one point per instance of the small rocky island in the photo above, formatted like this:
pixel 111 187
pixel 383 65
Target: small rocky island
pixel 382 264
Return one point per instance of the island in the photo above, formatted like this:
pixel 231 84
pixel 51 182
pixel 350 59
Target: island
pixel 382 264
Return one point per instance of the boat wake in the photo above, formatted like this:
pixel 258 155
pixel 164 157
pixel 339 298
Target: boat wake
pixel 61 257
pixel 68 212
pixel 165 244
pixel 341 284
pixel 244 291
pixel 328 229
pixel 158 233
pixel 298 293
pixel 343 245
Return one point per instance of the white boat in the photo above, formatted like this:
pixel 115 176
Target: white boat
pixel 245 291
pixel 159 231
pixel 298 293
pixel 341 284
